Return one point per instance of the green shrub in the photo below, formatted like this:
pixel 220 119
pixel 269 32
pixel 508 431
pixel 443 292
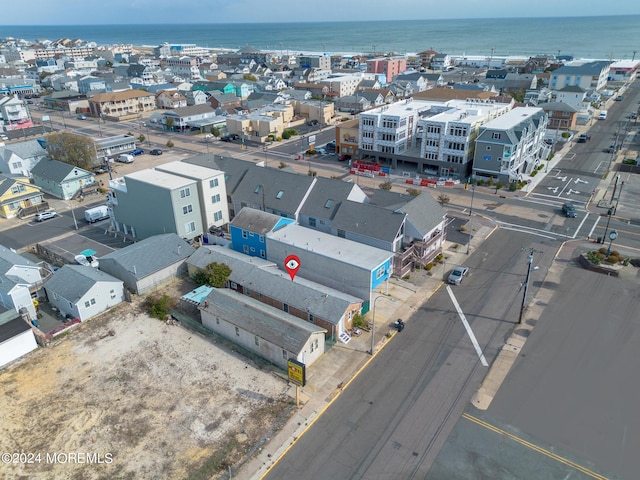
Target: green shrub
pixel 169 144
pixel 480 183
pixel 158 307
pixel 499 186
pixel 616 253
pixel 438 258
pixel 602 250
pixel 612 259
pixel 593 258
pixel 428 266
pixel 513 186
pixel 534 173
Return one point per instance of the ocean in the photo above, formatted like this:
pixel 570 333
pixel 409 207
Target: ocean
pixel 606 37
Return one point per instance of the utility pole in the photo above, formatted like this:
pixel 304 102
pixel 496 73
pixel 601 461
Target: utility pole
pixel 526 283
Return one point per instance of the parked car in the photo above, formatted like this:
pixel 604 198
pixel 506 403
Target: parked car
pixel 45 215
pixel 4 137
pixel 569 210
pixel 399 324
pixel 155 151
pixel 82 117
pixel 619 98
pixel 633 116
pixel 342 158
pixel 457 274
pixel 136 152
pixel 125 158
pixel 312 123
pixel 583 137
pixel 612 148
pixel 100 169
pixel 87 261
pixel 321 151
pixel 230 137
pixel 602 115
pixel 208 136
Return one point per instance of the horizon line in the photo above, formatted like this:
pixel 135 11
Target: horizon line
pixel 316 21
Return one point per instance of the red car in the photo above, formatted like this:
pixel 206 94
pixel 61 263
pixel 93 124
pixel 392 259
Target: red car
pixel 342 158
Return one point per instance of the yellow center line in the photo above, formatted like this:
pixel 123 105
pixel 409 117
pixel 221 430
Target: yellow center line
pixel 534 447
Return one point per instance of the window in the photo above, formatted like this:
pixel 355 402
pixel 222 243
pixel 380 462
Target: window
pixel 257 341
pixel 215 198
pixel 495 135
pixel 86 304
pixel 19 188
pixel 310 318
pixel 187 209
pixel 312 222
pixel 112 293
pixel 284 354
pixel 245 234
pixel 380 273
pixel 245 249
pixel 237 331
pixel 217 216
pixel 367 122
pixel 285 307
pixel 341 233
pixel 190 227
pixel 280 194
pixel 213 183
pixel 185 192
pixel 217 321
pixel 258 189
pixel 263 254
pixel 93 301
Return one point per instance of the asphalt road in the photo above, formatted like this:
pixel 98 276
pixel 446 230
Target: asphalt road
pixel 568 408
pixel 393 419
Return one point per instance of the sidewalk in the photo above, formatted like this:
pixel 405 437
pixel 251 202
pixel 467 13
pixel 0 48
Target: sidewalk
pixel 328 378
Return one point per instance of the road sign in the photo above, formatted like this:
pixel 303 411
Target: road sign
pixel 529 181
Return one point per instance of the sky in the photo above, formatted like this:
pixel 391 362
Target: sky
pixel 101 12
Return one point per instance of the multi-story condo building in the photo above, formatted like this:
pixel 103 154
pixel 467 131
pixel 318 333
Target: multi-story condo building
pixel 343 85
pixel 588 76
pixel 433 138
pixel 188 49
pixel 79 51
pixel 122 105
pixel 511 145
pixel 321 62
pixel 184 66
pixel 389 66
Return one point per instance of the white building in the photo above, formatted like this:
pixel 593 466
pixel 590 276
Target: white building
pixel 346 84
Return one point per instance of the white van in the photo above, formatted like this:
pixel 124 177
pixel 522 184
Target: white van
pixel 602 115
pixel 125 158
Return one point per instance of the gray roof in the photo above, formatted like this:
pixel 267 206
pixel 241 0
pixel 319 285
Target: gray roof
pixel 424 212
pixel 71 282
pixel 255 221
pixel 572 88
pixel 368 220
pixel 24 150
pixel 9 259
pixel 13 328
pixel 386 198
pixel 326 197
pixel 264 277
pixel 557 107
pixel 589 68
pixel 234 169
pixel 262 186
pixel 263 321
pixel 151 254
pixel 55 170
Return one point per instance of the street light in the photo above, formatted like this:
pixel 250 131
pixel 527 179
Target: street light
pixel 373 319
pixel 473 191
pixel 612 236
pixel 526 284
pixel 606 229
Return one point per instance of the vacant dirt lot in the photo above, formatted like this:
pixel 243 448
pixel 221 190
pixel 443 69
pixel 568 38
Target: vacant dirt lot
pixel 147 399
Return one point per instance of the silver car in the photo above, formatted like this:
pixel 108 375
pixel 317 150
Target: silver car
pixel 456 275
pixel 45 215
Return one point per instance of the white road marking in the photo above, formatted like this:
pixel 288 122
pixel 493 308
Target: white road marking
pixel 467 327
pixel 595 224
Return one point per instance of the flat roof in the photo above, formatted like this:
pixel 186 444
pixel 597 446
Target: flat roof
pixel 513 117
pixel 330 246
pixel 161 179
pixel 189 170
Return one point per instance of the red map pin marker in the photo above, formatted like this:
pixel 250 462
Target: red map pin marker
pixel 292 264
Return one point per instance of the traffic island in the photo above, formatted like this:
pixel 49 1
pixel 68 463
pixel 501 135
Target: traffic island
pixel 607 262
